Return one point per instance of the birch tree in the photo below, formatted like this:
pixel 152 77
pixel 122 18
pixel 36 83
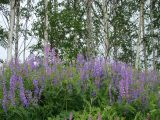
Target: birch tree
pixel 26 29
pixel 46 24
pixel 152 33
pixel 141 34
pixel 89 27
pixel 105 25
pixel 11 28
pixel 17 28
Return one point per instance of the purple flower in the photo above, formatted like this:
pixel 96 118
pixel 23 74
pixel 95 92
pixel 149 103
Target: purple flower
pixel 82 74
pixel 36 88
pixel 71 116
pixel 142 81
pixel 97 70
pixel 4 101
pixel 46 55
pixel 121 88
pixel 31 60
pixel 154 76
pixel 93 93
pixel 80 59
pixel 52 55
pixel 13 81
pixel 55 81
pixel 22 93
pixel 25 69
pixel 28 94
pixel 48 70
pixel 99 116
pixel 80 62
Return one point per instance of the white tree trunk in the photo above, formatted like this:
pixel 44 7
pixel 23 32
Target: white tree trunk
pixel 26 29
pixel 143 38
pixel 17 29
pixel 89 28
pixel 105 25
pixel 152 37
pixel 46 24
pixel 11 27
pixel 141 34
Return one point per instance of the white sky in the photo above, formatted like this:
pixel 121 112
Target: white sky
pixel 3 23
pixel 3 52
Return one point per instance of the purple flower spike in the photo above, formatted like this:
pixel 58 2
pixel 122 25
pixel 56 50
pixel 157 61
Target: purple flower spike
pixel 22 93
pixel 121 88
pixel 4 101
pixel 53 57
pixel 13 81
pixel 31 60
pixel 46 57
pixel 26 69
pixel 36 89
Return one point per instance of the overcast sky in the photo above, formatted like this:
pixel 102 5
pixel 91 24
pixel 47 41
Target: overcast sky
pixel 3 23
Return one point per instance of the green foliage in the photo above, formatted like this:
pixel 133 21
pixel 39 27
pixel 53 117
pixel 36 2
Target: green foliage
pixel 4 1
pixel 59 100
pixel 3 37
pixel 66 29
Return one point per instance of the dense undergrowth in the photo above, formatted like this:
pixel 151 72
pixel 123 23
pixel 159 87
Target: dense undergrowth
pixel 95 89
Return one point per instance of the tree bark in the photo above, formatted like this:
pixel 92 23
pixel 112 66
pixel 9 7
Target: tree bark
pixel 26 29
pixel 11 28
pixel 89 28
pixel 152 33
pixel 46 24
pixel 17 29
pixel 115 50
pixel 141 36
pixel 105 25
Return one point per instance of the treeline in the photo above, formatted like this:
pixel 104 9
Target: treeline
pixel 123 30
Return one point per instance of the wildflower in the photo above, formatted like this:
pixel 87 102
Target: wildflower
pixel 13 81
pixel 28 94
pixel 4 101
pixel 55 81
pixel 71 116
pixel 46 57
pixel 52 55
pixel 97 70
pixel 25 69
pixel 80 59
pixel 121 88
pixel 22 93
pixel 36 89
pixel 93 93
pixel 31 61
